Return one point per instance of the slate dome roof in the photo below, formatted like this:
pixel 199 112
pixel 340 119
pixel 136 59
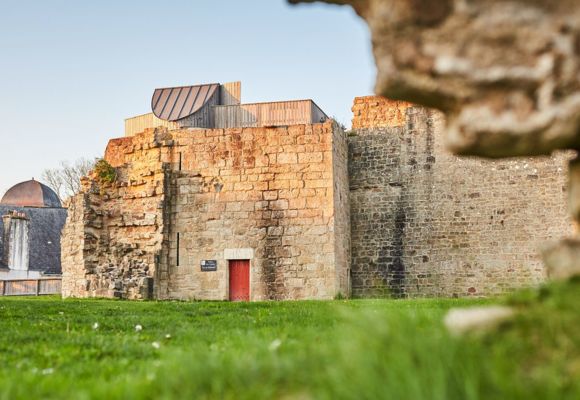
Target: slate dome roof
pixel 31 194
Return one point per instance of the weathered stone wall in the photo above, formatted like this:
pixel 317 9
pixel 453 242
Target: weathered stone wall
pixel 427 223
pixel 265 194
pixel 414 220
pixel 342 241
pixel 112 241
pixel 378 112
pixel 505 73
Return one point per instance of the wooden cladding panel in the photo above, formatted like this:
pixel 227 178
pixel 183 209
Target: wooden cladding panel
pixel 28 287
pixel 231 93
pixel 213 115
pixel 267 114
pixel 140 123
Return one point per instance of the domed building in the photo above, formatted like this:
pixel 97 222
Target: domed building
pixel 32 218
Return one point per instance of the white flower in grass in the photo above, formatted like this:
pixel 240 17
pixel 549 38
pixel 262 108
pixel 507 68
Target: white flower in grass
pixel 95 326
pixel 167 336
pixel 138 328
pixel 275 344
pixel 155 345
pixel 61 312
pixel 47 371
pixel 460 321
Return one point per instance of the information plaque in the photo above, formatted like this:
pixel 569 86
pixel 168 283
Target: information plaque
pixel 208 265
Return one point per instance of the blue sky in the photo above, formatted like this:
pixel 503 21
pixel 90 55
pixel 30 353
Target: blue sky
pixel 72 71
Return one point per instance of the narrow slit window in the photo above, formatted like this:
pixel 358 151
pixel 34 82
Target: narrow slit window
pixel 179 168
pixel 177 251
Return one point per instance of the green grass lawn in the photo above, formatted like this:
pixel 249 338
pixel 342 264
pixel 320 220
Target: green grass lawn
pixel 361 349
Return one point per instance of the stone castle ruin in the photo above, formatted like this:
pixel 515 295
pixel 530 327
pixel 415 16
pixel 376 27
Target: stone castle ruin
pixel 427 223
pixel 508 83
pixel 218 200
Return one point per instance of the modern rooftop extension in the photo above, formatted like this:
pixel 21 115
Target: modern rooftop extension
pixel 215 105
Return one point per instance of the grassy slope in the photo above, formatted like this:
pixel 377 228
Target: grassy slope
pixel 342 349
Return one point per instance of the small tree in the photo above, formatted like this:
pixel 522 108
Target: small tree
pixel 65 180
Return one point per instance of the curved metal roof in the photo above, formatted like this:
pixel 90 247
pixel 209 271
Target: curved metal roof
pixel 172 104
pixel 31 194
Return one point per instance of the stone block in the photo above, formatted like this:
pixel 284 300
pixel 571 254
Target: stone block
pixel 306 158
pixel 287 158
pixel 563 259
pixel 279 204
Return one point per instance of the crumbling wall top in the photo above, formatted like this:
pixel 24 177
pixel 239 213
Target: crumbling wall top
pixel 378 112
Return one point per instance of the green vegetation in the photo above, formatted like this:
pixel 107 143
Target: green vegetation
pixel 362 349
pixel 106 174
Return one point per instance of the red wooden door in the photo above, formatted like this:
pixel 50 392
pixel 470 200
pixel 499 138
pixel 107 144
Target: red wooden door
pixel 240 280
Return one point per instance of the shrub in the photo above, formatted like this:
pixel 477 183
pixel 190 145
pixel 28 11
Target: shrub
pixel 105 172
